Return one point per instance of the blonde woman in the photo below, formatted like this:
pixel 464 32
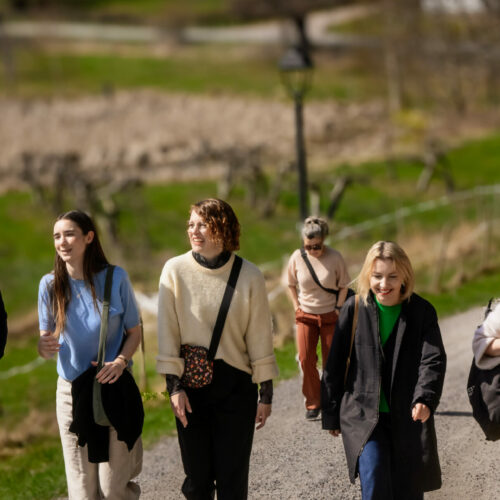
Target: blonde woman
pixel 317 285
pixel 384 408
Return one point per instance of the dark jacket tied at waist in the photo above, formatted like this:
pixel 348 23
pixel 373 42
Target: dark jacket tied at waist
pixel 123 405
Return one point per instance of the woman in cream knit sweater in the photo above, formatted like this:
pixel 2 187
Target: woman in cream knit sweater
pixel 215 423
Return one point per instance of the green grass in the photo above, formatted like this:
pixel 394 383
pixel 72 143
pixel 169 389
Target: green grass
pixel 24 392
pixel 165 12
pixel 286 360
pixel 25 249
pixel 198 70
pixel 473 293
pixel 35 473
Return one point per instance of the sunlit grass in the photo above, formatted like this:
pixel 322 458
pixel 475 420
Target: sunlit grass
pixel 195 70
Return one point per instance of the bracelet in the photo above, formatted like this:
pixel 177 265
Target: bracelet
pixel 123 358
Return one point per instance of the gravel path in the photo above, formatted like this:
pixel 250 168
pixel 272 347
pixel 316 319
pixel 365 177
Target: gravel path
pixel 295 459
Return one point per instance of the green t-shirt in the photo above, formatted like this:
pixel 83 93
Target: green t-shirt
pixel 387 317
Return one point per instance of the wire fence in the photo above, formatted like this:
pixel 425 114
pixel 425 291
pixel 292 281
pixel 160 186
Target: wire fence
pixel 19 370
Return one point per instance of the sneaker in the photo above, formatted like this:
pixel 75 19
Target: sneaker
pixel 312 414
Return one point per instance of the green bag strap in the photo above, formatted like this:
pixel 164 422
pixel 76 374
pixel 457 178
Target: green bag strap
pixel 101 355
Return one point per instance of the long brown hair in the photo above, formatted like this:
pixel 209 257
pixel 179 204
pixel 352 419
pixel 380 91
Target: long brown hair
pixel 94 261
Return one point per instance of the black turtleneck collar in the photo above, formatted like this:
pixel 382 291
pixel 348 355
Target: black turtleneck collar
pixel 214 263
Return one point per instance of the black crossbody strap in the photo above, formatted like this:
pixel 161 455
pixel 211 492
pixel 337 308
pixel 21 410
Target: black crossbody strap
pixel 104 318
pixel 313 274
pixel 226 301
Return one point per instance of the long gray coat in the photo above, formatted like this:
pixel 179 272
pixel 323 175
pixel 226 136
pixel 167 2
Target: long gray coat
pixel 419 365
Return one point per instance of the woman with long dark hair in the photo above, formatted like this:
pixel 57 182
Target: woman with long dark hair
pixel 70 302
pixel 381 388
pixel 215 422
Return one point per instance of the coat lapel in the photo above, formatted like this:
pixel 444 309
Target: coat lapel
pixel 399 339
pixel 373 315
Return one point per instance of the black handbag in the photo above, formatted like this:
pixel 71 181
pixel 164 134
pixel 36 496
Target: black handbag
pixel 483 390
pixel 198 360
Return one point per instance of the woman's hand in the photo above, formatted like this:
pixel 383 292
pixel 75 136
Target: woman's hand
pixel 111 371
pixel 420 412
pixel 494 348
pixel 180 404
pixel 263 413
pixel 335 433
pixel 48 345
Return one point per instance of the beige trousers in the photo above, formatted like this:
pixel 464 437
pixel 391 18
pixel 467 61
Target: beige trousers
pixel 87 481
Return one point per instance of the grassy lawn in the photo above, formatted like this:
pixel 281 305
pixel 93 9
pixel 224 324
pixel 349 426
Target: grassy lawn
pixel 191 69
pixel 165 12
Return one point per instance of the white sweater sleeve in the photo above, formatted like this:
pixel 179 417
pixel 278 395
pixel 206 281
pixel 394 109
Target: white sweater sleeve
pixel 168 360
pixel 483 337
pixel 259 337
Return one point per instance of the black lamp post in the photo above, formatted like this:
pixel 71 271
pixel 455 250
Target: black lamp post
pixel 296 71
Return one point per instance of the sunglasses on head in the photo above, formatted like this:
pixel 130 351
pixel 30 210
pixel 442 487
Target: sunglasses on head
pixel 318 246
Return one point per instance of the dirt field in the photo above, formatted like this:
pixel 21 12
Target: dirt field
pixel 148 133
pixel 295 459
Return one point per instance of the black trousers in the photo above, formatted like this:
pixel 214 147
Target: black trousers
pixel 216 444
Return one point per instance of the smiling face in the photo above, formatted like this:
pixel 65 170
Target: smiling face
pixel 385 282
pixel 70 242
pixel 201 238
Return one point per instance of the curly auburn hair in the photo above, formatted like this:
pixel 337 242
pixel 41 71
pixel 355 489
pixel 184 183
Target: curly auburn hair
pixel 221 220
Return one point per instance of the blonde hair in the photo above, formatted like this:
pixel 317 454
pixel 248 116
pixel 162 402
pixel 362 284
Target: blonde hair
pixel 314 227
pixel 386 250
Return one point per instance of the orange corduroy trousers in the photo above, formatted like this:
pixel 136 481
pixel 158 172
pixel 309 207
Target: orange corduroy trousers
pixel 310 329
